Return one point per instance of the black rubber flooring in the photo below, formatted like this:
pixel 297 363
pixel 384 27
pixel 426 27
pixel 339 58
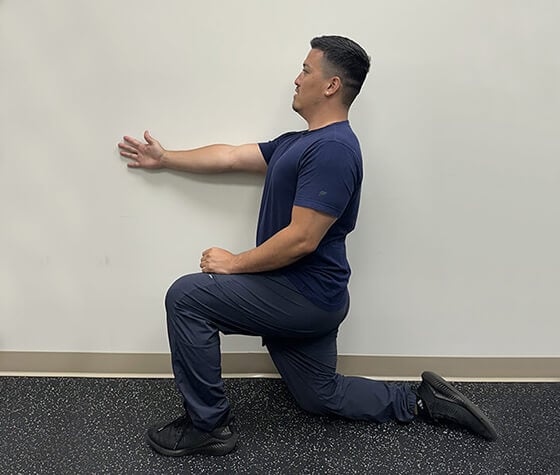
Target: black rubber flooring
pixel 85 425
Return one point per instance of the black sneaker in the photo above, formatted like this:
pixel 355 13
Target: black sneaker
pixel 180 437
pixel 439 401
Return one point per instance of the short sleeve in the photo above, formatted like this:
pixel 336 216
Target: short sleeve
pixel 328 176
pixel 268 148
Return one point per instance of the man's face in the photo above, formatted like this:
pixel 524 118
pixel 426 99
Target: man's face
pixel 310 83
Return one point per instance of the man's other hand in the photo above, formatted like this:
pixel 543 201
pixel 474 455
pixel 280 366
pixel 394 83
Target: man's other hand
pixel 217 261
pixel 143 155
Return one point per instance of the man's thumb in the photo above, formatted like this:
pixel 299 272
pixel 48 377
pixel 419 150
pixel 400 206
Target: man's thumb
pixel 148 137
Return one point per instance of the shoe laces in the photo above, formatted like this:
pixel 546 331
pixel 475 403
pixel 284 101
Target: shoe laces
pixel 179 426
pixel 182 421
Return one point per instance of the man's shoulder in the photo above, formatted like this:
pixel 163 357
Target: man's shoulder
pixel 342 137
pixel 287 135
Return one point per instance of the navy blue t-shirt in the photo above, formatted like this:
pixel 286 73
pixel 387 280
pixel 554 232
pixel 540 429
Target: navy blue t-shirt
pixel 319 169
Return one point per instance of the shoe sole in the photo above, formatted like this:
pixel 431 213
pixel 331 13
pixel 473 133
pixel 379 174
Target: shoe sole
pixel 453 395
pixel 214 447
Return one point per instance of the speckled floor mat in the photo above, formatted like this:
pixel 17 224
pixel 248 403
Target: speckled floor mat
pixel 84 425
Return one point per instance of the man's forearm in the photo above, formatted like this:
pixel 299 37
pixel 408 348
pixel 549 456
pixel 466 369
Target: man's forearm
pixel 281 250
pixel 209 159
pixel 300 238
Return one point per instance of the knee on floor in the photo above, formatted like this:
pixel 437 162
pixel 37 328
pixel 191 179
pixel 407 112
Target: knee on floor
pixel 321 401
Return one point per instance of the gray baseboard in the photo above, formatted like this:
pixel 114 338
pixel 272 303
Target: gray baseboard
pixel 529 368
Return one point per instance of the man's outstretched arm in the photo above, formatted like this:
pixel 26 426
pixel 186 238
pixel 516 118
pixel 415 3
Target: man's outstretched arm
pixel 217 158
pixel 301 237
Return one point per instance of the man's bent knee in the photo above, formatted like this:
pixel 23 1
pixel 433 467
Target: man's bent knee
pixel 182 286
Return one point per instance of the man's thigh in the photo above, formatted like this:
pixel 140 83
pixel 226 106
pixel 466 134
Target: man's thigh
pixel 250 304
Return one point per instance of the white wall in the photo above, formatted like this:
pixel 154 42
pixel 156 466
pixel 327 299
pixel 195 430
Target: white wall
pixel 457 247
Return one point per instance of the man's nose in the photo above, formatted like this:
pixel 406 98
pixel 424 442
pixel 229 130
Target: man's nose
pixel 297 80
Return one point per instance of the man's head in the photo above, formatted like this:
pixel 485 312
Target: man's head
pixel 345 59
pixel 332 76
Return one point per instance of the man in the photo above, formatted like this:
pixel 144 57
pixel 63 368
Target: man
pixel 291 289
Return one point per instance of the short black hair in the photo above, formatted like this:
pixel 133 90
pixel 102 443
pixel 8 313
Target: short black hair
pixel 346 59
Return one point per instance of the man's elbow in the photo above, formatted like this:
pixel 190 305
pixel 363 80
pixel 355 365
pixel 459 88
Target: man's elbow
pixel 307 246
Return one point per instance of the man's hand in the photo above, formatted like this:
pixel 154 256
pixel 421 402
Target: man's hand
pixel 142 155
pixel 217 261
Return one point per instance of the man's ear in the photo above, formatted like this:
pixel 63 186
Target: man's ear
pixel 335 84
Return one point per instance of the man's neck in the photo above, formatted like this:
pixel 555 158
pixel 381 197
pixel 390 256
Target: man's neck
pixel 318 121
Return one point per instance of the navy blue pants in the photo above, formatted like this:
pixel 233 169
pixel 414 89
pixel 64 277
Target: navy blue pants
pixel 300 337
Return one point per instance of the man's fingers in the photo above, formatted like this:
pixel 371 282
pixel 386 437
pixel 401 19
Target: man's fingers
pixel 132 140
pixel 204 261
pixel 126 148
pixel 133 156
